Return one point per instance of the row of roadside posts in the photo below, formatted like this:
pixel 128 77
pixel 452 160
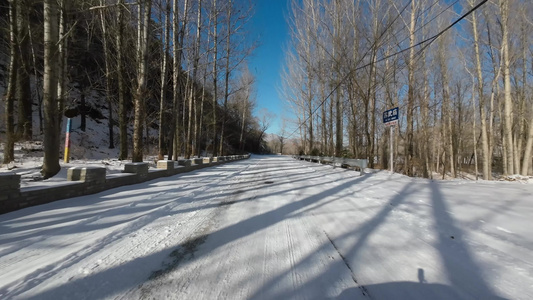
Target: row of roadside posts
pixel 390 119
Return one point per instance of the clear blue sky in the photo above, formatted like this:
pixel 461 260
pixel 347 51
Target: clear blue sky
pixel 269 27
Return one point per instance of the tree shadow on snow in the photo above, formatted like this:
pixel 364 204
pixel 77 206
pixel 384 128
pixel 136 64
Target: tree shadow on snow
pixel 464 273
pixel 465 276
pixel 217 238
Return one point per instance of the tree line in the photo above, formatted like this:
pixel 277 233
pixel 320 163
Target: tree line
pixel 463 91
pixel 178 66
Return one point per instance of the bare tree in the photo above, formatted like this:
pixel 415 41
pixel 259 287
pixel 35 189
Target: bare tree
pixel 264 120
pixel 508 106
pixel 229 29
pixel 411 92
pixel 196 58
pixel 122 114
pixel 214 15
pixel 178 31
pixel 140 94
pixel 23 88
pixel 484 135
pixel 50 92
pixel 9 148
pixel 281 136
pixel 245 96
pixel 165 34
pixel 528 149
pixel 108 74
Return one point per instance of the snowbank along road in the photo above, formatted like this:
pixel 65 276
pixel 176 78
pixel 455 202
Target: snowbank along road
pixel 275 228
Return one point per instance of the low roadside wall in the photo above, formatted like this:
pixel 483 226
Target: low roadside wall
pixel 360 164
pixel 83 181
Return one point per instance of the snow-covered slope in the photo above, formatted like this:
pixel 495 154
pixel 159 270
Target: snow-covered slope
pixel 275 228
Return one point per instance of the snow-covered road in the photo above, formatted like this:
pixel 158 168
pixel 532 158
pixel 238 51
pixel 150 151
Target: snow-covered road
pixel 272 227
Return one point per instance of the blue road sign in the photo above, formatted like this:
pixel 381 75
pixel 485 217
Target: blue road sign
pixel 390 115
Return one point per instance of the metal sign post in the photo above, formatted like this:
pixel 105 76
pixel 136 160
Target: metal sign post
pixel 391 143
pixel 390 118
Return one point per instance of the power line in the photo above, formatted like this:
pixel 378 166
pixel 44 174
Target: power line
pixel 388 77
pixel 403 28
pixel 432 19
pixel 359 61
pixel 429 41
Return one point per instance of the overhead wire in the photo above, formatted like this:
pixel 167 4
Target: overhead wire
pixel 358 62
pixel 430 40
pixel 418 54
pixel 398 44
pixel 353 70
pixel 427 41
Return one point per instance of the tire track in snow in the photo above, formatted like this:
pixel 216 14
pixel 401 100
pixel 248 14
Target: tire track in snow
pixel 54 232
pixel 34 279
pixel 186 249
pixel 292 257
pixel 45 272
pixel 189 270
pixel 362 288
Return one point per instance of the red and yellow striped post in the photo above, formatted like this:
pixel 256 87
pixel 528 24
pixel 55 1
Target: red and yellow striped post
pixel 67 141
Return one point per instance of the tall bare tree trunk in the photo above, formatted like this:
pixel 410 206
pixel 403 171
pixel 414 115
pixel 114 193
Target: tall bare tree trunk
pixel 372 109
pixel 140 93
pixel 226 75
pixel 309 69
pixel 164 70
pixel 23 87
pixel 50 81
pixel 338 95
pixel 243 124
pixel 428 170
pixel 9 147
pixel 192 95
pixel 184 116
pixel 526 160
pixel 191 112
pixel 331 146
pixel 176 67
pixel 520 133
pixel 122 112
pixel 411 92
pixel 484 136
pixel 178 96
pixel 246 104
pixel 37 85
pixel 447 122
pixel 508 103
pixel 338 125
pixel 62 65
pixel 495 92
pixel 199 129
pixel 323 114
pixel 107 58
pixel 310 112
pixel 474 125
pixel 528 149
pixel 215 75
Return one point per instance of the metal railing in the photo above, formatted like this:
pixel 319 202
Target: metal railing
pixel 361 164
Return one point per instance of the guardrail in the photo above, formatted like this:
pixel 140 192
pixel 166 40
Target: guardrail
pixel 89 180
pixel 361 164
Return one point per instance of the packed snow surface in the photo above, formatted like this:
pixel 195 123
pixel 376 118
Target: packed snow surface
pixel 272 227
